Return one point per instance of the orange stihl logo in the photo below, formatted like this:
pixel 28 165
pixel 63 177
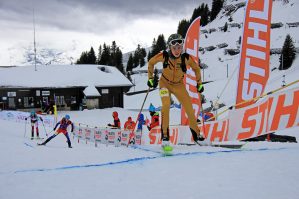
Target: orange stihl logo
pixel 255 54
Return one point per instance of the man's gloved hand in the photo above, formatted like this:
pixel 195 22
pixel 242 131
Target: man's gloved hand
pixel 152 83
pixel 200 88
pixel 26 118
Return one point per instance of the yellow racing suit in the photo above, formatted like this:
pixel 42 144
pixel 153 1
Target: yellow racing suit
pixel 172 82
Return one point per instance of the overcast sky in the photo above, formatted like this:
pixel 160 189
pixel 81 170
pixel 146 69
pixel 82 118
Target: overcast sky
pixel 80 24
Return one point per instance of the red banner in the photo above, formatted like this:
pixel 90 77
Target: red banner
pixel 255 51
pixel 191 47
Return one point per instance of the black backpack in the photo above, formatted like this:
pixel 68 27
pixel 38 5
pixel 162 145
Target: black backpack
pixel 183 64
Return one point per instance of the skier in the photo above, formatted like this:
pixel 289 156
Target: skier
pixel 129 124
pixel 154 117
pixel 115 120
pixel 171 82
pixel 34 122
pixel 63 124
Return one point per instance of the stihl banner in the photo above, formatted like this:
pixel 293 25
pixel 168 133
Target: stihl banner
pixel 191 46
pixel 255 51
pixel 276 112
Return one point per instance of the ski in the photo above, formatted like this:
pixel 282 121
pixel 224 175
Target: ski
pixel 36 138
pixel 230 145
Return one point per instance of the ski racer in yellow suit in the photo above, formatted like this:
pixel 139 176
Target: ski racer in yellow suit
pixel 172 82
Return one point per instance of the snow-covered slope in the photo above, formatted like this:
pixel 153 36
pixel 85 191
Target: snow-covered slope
pixel 55 171
pixel 218 62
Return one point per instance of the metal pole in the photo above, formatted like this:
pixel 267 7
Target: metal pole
pixel 226 70
pixel 34 44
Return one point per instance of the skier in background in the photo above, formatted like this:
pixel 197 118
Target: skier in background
pixel 63 124
pixel 129 124
pixel 34 122
pixel 155 120
pixel 116 121
pixel 171 82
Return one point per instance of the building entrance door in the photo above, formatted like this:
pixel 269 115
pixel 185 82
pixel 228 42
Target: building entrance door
pixel 11 103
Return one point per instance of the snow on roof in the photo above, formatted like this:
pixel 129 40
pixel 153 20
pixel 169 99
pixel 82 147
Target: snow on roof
pixel 61 76
pixel 91 91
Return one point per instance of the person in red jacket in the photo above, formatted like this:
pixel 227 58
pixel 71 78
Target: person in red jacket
pixel 130 124
pixel 64 123
pixel 155 118
pixel 116 121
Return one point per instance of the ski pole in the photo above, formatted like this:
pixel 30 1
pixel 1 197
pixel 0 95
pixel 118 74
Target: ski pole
pixel 132 132
pixel 203 119
pixel 45 129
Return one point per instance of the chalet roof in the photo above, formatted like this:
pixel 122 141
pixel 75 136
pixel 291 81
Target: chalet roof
pixel 61 76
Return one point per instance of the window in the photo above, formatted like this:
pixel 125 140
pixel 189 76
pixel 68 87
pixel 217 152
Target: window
pixel 11 94
pixel 73 100
pixel 60 100
pixel 28 102
pixel 45 93
pixel 105 91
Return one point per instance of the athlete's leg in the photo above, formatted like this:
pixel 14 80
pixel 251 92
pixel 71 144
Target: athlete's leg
pixel 165 98
pixel 182 95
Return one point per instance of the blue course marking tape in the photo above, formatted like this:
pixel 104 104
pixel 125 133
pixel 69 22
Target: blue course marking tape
pixel 135 160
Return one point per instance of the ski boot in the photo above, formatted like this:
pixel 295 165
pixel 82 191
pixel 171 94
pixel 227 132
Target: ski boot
pixel 199 139
pixel 166 145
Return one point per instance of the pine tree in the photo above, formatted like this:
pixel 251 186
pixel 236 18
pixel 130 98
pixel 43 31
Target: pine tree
pixel 156 75
pixel 83 58
pixel 288 54
pixel 183 27
pixel 99 54
pixel 196 13
pixel 216 8
pixel 105 57
pixel 142 57
pixel 149 55
pixel 205 15
pixel 119 60
pixel 130 63
pixel 136 56
pixel 160 45
pixel 91 57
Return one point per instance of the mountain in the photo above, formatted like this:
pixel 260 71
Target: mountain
pixel 23 54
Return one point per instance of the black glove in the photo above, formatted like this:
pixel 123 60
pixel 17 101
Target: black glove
pixel 200 88
pixel 41 119
pixel 109 124
pixel 152 83
pixel 54 129
pixel 26 118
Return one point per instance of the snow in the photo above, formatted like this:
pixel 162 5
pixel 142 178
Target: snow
pixel 259 170
pixel 62 76
pixel 91 91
